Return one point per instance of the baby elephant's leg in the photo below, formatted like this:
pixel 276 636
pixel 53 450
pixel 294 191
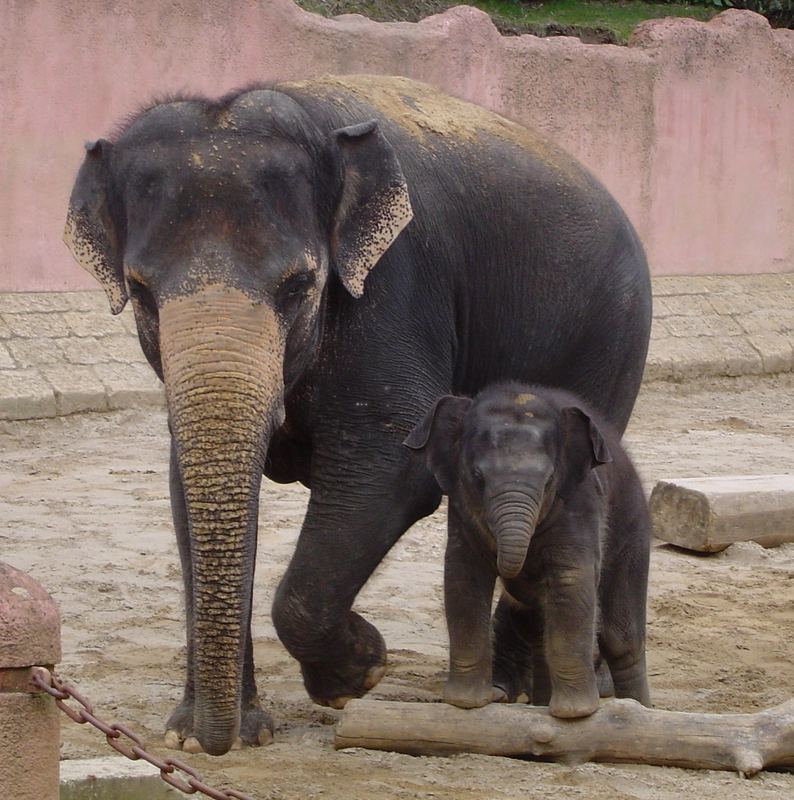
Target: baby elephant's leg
pixel 623 646
pixel 622 641
pixel 518 630
pixel 603 677
pixel 468 593
pixel 622 597
pixel 570 614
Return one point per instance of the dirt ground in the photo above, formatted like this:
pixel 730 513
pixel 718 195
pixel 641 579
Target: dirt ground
pixel 84 508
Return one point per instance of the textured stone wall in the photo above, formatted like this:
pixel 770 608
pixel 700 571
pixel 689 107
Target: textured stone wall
pixel 63 353
pixel 691 126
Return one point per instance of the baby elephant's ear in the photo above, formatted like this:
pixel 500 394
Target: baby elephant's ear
pixel 584 447
pixel 574 421
pixel 437 436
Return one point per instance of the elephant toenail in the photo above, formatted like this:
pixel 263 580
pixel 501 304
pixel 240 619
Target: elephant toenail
pixel 192 745
pixel 498 695
pixel 172 740
pixel 340 702
pixel 374 676
pixel 264 737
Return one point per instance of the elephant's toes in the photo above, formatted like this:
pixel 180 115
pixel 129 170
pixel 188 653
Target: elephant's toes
pixel 179 727
pixel 508 692
pixel 337 703
pixel 337 682
pixel 513 677
pixel 192 745
pixel 359 686
pixel 172 740
pixel 256 728
pixel 470 694
pixel 573 705
pixel 374 676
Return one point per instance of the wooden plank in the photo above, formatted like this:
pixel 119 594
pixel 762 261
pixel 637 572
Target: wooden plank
pixel 620 731
pixel 708 514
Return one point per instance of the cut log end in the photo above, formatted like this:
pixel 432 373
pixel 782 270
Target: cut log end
pixel 709 514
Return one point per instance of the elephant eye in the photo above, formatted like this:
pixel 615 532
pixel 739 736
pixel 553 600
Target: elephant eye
pixel 294 288
pixel 476 473
pixel 141 295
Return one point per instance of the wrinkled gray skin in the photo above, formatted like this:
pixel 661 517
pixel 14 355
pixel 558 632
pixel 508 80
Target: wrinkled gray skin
pixel 300 332
pixel 543 496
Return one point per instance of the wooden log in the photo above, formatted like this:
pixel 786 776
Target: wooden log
pixel 620 731
pixel 708 514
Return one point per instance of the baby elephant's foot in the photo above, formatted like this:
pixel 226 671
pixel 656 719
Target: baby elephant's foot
pixel 573 703
pixel 513 686
pixel 256 729
pixel 468 694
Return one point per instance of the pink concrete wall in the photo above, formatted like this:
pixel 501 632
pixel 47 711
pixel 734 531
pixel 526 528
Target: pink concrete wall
pixel 691 127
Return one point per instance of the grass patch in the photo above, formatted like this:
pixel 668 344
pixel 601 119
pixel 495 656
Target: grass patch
pixel 620 18
pixel 614 20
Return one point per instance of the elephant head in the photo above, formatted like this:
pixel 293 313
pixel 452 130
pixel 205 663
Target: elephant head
pixel 504 456
pixel 225 224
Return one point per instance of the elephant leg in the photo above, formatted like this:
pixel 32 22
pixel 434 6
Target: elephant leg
pixel 606 688
pixel 256 725
pixel 622 642
pixel 541 679
pixel 518 636
pixel 570 629
pixel 625 654
pixel 361 503
pixel 469 581
pixel 623 598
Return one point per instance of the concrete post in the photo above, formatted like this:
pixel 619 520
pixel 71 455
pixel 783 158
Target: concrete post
pixel 30 635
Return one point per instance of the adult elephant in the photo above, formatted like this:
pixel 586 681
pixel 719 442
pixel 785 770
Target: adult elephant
pixel 244 231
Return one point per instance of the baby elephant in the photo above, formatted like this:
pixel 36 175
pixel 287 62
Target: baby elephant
pixel 542 494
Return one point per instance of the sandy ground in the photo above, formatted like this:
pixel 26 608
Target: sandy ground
pixel 84 508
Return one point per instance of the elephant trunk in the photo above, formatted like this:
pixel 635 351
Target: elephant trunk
pixel 513 517
pixel 222 365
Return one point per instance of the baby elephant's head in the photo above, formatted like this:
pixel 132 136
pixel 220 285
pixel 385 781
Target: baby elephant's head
pixel 503 456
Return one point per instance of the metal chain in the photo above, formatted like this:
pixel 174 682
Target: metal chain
pixel 42 679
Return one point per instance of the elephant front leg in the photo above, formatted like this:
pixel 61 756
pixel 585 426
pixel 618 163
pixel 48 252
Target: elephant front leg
pixel 570 620
pixel 358 509
pixel 469 580
pixel 256 726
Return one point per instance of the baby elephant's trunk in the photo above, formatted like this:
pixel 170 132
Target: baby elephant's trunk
pixel 513 517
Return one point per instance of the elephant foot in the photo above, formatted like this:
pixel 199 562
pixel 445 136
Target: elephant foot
pixel 573 704
pixel 466 694
pixel 334 684
pixel 256 729
pixel 514 682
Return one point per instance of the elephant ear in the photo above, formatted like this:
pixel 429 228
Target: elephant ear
pixel 438 435
pixel 584 448
pixel 90 232
pixel 374 205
